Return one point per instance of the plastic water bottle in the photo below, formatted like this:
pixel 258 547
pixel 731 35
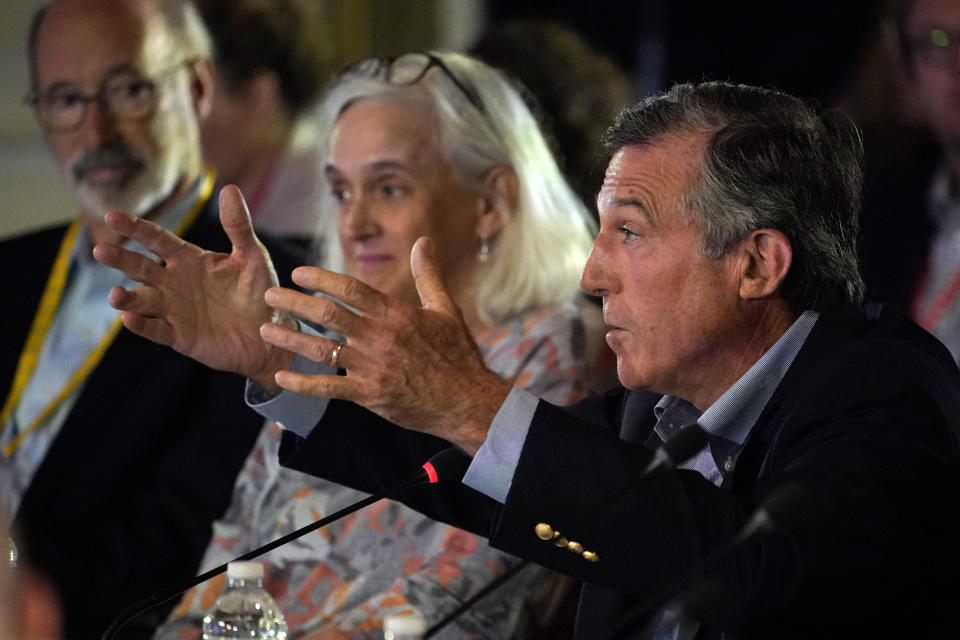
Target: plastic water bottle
pixel 244 609
pixel 410 627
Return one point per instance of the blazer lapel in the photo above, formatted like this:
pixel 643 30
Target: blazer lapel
pixel 638 418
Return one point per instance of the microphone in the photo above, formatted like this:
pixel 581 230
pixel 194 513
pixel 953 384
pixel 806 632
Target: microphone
pixel 785 503
pixel 444 467
pixel 683 446
pixel 781 506
pixel 678 449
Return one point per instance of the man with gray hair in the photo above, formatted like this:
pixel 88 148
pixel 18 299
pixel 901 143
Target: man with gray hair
pixel 821 501
pixel 116 455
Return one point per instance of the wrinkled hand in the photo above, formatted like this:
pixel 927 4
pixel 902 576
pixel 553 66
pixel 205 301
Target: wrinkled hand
pixel 208 306
pixel 416 367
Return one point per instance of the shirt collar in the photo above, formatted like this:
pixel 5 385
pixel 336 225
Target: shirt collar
pixel 672 414
pixel 733 414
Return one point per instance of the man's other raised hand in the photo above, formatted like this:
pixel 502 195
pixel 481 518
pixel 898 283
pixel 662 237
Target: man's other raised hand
pixel 208 306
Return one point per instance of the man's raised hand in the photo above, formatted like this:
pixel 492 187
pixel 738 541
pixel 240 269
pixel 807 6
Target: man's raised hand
pixel 417 367
pixel 207 306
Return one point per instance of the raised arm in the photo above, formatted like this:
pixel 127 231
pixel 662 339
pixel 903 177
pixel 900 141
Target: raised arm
pixel 208 306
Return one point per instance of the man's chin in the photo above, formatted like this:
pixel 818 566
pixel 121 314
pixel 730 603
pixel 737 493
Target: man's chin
pixel 98 201
pixel 630 377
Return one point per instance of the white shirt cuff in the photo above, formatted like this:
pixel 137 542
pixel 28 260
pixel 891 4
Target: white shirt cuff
pixel 491 471
pixel 297 412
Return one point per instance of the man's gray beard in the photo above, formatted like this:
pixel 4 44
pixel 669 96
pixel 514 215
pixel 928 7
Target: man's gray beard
pixel 140 196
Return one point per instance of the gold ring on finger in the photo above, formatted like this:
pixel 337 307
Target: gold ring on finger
pixel 335 356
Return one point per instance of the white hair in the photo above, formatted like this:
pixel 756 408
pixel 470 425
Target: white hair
pixel 192 39
pixel 537 258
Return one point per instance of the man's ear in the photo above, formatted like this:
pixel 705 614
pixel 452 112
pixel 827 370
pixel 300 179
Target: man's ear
pixel 201 87
pixel 768 256
pixel 502 188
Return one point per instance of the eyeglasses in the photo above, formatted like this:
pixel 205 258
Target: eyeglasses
pixel 126 95
pixel 409 69
pixel 937 47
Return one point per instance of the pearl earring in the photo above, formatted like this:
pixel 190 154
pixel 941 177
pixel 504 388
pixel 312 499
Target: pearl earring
pixel 484 254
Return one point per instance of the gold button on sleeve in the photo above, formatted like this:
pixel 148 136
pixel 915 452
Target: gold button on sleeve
pixel 544 531
pixel 560 542
pixel 590 556
pixel 575 546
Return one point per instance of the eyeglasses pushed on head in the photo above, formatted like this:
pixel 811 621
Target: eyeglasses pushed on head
pixel 409 69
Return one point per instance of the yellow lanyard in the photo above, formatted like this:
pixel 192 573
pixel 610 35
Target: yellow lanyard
pixel 43 318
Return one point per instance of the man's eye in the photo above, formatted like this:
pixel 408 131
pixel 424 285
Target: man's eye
pixel 627 233
pixel 392 190
pixel 339 194
pixel 130 90
pixel 64 99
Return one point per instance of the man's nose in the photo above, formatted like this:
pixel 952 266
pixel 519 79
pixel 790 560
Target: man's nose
pixel 99 124
pixel 597 277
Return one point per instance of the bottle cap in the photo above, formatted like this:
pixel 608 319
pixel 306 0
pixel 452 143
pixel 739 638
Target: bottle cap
pixel 245 570
pixel 409 624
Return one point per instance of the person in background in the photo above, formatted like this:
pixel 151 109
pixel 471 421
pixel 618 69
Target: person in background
pixel 115 456
pixel 272 59
pixel 576 90
pixel 434 143
pixel 911 251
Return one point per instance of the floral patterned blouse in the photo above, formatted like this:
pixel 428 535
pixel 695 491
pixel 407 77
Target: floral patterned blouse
pixel 388 559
